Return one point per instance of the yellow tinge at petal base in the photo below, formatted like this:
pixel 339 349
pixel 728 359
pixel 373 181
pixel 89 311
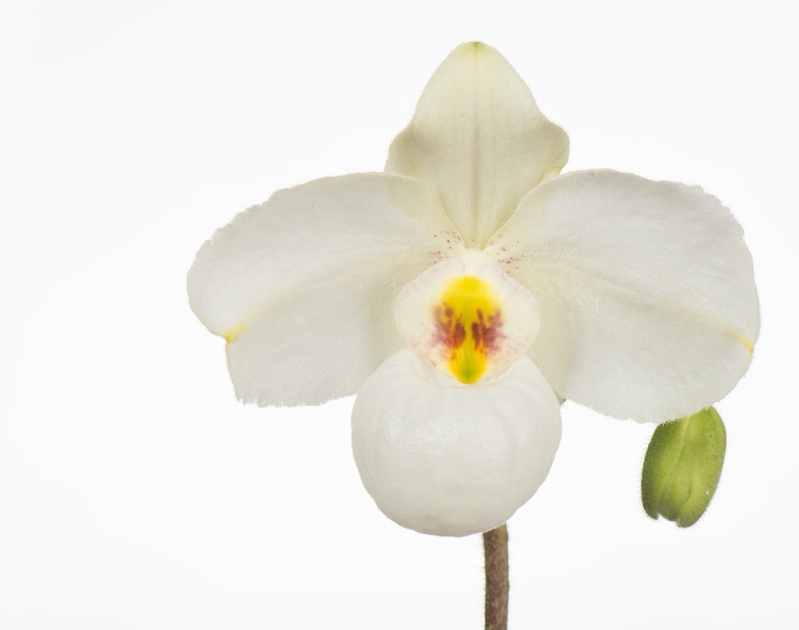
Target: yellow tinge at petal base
pixel 467 318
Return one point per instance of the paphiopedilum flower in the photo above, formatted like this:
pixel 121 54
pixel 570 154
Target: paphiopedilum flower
pixel 465 289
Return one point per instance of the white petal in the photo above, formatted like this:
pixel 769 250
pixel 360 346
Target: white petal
pixel 303 286
pixel 453 460
pixel 648 303
pixel 319 345
pixel 478 138
pixel 467 330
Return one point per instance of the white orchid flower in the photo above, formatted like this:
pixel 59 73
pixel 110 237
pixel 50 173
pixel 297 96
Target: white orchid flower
pixel 466 288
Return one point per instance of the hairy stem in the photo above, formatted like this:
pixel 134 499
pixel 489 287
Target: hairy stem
pixel 495 544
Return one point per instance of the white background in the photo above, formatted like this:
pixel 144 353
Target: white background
pixel 135 492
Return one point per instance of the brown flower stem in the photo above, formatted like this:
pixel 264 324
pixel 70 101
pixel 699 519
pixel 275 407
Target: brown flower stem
pixel 495 544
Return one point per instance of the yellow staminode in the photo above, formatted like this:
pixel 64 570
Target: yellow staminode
pixel 468 323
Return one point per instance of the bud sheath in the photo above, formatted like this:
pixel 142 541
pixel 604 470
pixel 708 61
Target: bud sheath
pixel 682 467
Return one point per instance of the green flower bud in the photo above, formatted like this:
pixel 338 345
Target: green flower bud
pixel 682 467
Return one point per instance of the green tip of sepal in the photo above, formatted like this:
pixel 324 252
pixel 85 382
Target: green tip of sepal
pixel 682 467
